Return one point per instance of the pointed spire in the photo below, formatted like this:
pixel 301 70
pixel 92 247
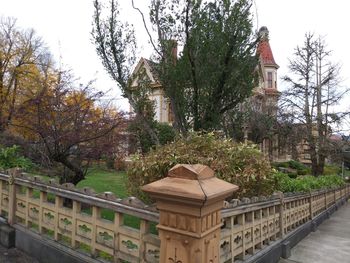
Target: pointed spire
pixel 264 49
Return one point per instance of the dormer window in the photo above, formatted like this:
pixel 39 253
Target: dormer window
pixel 269 80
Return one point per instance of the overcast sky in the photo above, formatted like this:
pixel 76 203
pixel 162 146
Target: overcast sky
pixel 65 26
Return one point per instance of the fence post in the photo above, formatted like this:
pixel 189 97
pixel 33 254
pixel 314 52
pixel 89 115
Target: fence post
pixel 281 197
pixel 310 208
pixel 190 200
pixel 12 195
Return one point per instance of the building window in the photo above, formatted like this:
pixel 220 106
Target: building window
pixel 269 80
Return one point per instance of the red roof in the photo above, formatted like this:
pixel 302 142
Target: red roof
pixel 265 53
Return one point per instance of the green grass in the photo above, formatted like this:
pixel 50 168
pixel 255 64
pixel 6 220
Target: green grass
pixel 105 181
pixel 109 181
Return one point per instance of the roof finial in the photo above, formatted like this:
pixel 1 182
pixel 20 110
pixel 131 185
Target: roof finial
pixel 264 34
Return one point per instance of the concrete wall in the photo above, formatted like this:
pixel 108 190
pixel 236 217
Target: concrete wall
pixel 46 250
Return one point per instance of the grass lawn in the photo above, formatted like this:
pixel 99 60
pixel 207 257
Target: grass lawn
pixel 102 180
pixel 105 181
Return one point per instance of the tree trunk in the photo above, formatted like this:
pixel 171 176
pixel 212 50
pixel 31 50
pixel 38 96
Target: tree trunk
pixel 2 122
pixel 178 121
pixel 77 170
pixel 320 165
pixel 270 149
pixel 313 155
pixel 294 150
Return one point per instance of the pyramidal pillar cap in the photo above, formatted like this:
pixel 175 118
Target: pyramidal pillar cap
pixel 190 184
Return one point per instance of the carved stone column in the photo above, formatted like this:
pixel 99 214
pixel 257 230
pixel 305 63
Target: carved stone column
pixel 190 200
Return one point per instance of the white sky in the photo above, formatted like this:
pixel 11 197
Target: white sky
pixel 65 26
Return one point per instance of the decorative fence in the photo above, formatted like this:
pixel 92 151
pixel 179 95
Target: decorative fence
pixel 77 218
pixel 97 224
pixel 251 224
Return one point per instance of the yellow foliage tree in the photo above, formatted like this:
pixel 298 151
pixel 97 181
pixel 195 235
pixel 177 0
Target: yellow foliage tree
pixel 23 59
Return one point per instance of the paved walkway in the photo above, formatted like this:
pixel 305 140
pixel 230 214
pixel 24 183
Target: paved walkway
pixel 329 244
pixel 14 255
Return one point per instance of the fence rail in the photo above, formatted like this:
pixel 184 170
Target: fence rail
pixel 96 223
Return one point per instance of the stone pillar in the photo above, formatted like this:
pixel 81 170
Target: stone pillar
pixel 190 200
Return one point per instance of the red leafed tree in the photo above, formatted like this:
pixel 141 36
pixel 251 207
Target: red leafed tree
pixel 69 124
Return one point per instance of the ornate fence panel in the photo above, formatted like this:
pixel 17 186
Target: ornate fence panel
pixel 249 227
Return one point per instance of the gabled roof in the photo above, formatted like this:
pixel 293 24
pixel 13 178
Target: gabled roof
pixel 153 66
pixel 149 66
pixel 264 49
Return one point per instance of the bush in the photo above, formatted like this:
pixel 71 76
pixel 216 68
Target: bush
pixel 10 158
pixel 306 183
pixel 292 175
pixel 236 163
pixel 332 169
pixel 296 165
pixel 292 168
pixel 282 164
pixel 119 164
pixel 165 132
pixel 304 171
pixel 143 142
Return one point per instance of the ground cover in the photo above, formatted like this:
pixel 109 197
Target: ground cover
pixel 103 180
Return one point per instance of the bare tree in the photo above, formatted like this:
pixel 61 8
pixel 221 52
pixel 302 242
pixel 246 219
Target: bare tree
pixel 313 92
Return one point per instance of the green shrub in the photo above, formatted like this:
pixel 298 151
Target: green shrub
pixel 143 141
pixel 9 158
pixel 296 165
pixel 306 183
pixel 304 171
pixel 282 164
pixel 236 163
pixel 165 132
pixel 292 175
pixel 331 169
